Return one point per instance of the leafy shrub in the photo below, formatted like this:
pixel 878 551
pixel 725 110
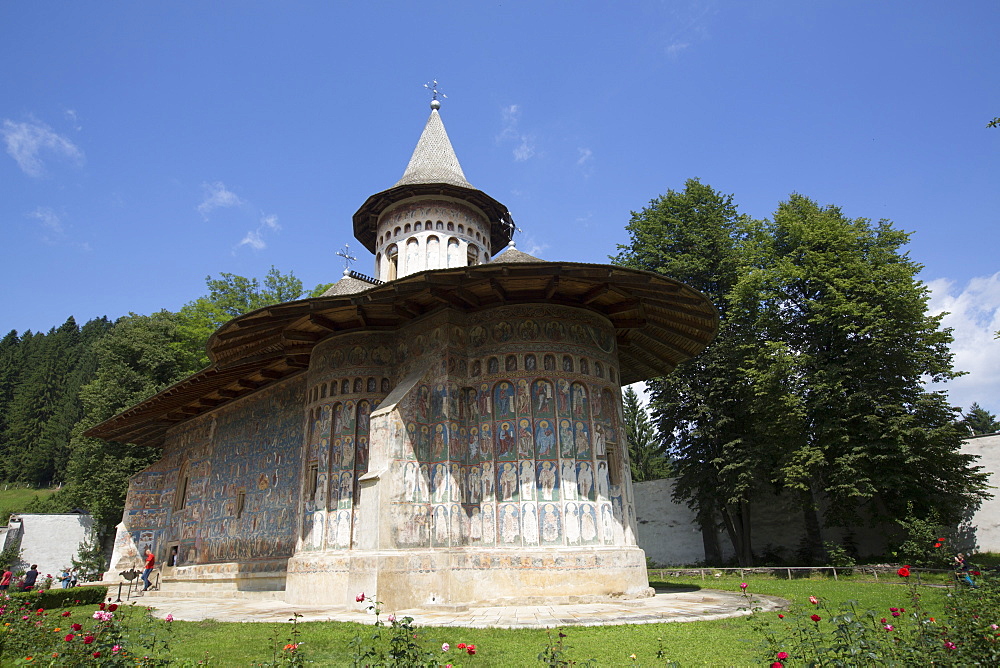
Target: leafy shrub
pixel 60 598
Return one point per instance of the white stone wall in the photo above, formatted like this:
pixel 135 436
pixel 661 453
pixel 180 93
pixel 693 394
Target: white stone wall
pixel 985 522
pixel 51 541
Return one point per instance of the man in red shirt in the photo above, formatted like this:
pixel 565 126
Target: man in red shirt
pixel 150 563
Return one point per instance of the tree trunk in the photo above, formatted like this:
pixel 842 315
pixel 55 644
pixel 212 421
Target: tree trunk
pixel 737 522
pixel 813 549
pixel 710 538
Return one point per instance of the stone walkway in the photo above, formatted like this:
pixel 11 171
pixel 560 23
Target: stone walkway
pixel 667 606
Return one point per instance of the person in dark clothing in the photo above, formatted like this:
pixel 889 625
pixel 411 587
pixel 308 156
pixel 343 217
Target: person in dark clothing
pixel 29 578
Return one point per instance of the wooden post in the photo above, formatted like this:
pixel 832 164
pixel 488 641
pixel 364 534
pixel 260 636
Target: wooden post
pixel 834 574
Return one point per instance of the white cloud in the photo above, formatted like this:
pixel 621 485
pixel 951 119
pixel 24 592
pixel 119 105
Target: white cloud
pixel 254 240
pixel 51 224
pixel 583 156
pixel 217 196
pixel 677 47
pixel 525 150
pixel 510 132
pixel 974 315
pixel 70 115
pixel 27 141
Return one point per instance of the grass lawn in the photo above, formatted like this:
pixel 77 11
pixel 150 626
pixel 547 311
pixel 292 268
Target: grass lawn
pixel 729 642
pixel 16 498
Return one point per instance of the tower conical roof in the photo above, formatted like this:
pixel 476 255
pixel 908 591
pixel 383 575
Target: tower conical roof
pixel 434 159
pixel 433 170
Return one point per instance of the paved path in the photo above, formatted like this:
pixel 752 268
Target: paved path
pixel 667 606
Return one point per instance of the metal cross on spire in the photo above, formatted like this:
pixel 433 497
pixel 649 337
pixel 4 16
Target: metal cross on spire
pixel 432 86
pixel 348 258
pixel 511 228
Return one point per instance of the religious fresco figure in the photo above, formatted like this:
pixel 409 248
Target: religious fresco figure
pixel 502 400
pixel 584 366
pixel 510 363
pixel 506 441
pixel 600 442
pixel 439 443
pixel 441 525
pixel 474 451
pixel 477 369
pixel 528 330
pixel 475 485
pixel 455 482
pixel 523 398
pixel 550 524
pixel 545 439
pixel 476 525
pixel 543 398
pixel 455 528
pixel 488 484
pixel 484 401
pixel 439 483
pixel 493 366
pixel 486 442
pixel 530 362
pixel 529 524
pixel 567 444
pixel 507 482
pixel 502 332
pixel 572 524
pixel 438 398
pixel 527 480
pixel 588 523
pixel 607 524
pixel 410 482
pixel 562 392
pixel 603 482
pixel 547 480
pixel 579 402
pixel 585 480
pixel 509 523
pixel 424 443
pixel 344 528
pixel 423 483
pixel 568 479
pixel 489 525
pixel 582 440
pixel 524 438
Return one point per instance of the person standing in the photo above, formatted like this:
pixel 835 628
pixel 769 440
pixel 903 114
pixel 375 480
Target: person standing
pixel 150 564
pixel 64 578
pixel 29 578
pixel 5 579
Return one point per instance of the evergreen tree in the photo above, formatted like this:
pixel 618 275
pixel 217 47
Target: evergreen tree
pixel 978 420
pixel 647 452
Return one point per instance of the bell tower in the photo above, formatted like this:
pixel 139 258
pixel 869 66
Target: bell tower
pixel 432 218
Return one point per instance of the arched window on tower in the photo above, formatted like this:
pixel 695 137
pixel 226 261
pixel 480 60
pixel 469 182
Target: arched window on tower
pixel 453 252
pixel 473 255
pixel 392 268
pixel 417 226
pixel 433 253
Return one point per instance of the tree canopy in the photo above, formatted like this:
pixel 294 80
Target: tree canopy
pixel 814 387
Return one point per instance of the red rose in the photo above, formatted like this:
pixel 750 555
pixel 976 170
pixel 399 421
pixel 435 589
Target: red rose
pixel 112 607
pixel 460 645
pixel 66 614
pixel 777 664
pixel 782 655
pixel 77 627
pixel 88 639
pixel 780 616
pixel 69 637
pixel 96 654
pixel 903 572
pixel 815 618
pixel 471 651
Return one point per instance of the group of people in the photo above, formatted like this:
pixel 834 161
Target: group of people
pixel 27 584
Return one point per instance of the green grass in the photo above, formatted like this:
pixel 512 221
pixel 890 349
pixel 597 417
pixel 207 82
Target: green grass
pixel 729 642
pixel 15 498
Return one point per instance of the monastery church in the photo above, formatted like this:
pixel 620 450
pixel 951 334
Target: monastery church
pixel 447 433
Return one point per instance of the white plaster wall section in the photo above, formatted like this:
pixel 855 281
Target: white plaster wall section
pixel 52 541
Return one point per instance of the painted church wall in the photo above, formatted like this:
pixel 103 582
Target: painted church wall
pixel 513 439
pixel 226 485
pixel 348 376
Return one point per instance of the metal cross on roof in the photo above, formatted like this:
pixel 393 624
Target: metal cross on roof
pixel 510 227
pixel 348 258
pixel 432 86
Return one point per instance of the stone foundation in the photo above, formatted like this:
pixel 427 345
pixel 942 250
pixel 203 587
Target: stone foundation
pixel 422 578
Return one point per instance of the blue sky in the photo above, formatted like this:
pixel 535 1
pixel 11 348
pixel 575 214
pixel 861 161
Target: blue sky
pixel 146 146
